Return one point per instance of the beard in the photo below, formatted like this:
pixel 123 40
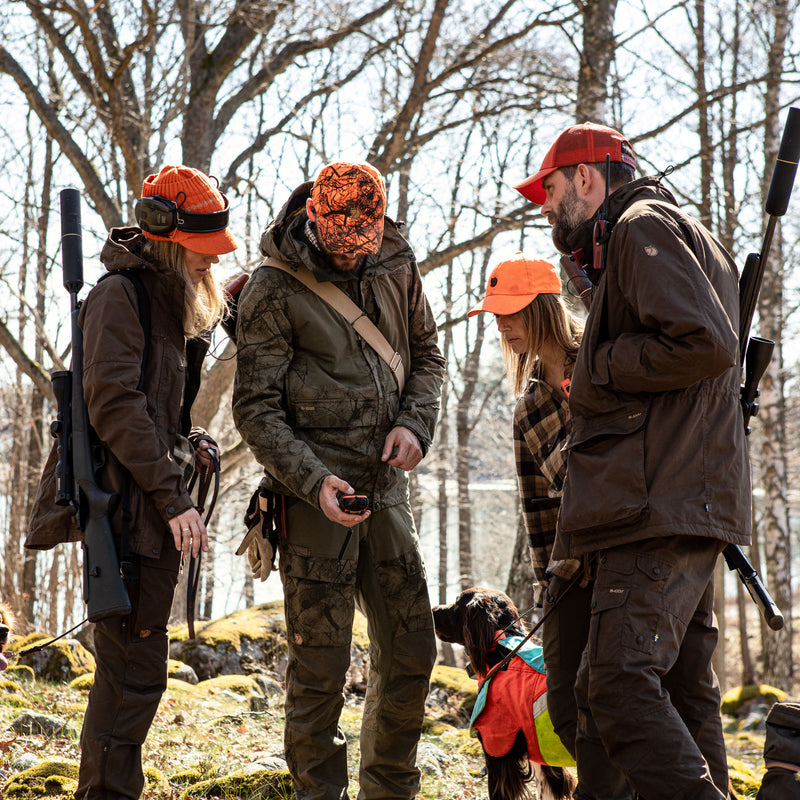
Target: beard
pixel 570 213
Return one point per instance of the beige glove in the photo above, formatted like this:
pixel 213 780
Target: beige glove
pixel 259 553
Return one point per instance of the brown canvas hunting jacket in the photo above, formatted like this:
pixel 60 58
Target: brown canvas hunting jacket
pixel 657 442
pixel 138 428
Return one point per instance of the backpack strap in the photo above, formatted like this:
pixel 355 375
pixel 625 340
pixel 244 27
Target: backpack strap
pixel 339 301
pixel 143 306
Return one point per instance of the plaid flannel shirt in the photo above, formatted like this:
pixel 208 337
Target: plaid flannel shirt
pixel 541 424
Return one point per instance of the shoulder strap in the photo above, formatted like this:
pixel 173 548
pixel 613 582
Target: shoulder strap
pixel 362 324
pixel 143 306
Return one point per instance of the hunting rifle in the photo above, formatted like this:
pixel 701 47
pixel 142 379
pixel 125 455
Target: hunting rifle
pixel 755 353
pixel 76 486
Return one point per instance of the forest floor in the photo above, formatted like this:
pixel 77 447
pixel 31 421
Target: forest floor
pixel 211 729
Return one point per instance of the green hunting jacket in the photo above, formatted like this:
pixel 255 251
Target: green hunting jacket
pixel 311 398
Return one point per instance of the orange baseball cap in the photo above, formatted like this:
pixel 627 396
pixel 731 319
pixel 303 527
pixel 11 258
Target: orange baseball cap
pixel 186 207
pixel 581 144
pixel 349 200
pixel 514 282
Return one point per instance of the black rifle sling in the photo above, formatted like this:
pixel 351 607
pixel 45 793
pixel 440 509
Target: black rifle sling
pixel 143 304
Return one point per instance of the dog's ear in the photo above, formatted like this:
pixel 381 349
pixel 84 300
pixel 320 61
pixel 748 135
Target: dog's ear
pixel 479 630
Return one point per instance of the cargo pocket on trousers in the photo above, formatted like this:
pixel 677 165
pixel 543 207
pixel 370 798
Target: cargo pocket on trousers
pixel 319 600
pixel 405 592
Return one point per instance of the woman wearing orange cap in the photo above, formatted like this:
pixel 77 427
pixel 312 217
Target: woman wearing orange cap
pixel 139 386
pixel 540 339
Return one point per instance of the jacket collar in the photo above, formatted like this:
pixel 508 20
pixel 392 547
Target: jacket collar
pixel 619 200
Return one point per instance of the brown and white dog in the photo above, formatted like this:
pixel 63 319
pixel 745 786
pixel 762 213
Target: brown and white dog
pixel 475 621
pixel 6 624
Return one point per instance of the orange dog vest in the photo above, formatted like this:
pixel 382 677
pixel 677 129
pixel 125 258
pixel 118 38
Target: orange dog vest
pixel 514 699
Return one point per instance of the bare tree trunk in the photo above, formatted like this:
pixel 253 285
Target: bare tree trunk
pixel 597 54
pixel 520 576
pixel 748 673
pixel 777 645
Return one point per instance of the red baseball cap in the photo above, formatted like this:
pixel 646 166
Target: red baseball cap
pixel 581 144
pixel 514 282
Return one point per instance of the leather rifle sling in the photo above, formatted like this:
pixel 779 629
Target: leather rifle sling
pixel 339 301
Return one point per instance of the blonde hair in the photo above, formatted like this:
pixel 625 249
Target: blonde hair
pixel 547 320
pixel 204 305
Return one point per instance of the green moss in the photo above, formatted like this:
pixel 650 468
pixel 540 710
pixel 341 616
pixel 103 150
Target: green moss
pixel 24 642
pixel 15 701
pixel 156 785
pixel 9 686
pixel 191 775
pixel 174 667
pixel 453 680
pixel 256 623
pixel 743 779
pixel 360 637
pixel 435 727
pixel 83 682
pixel 51 778
pixel 264 784
pixel 17 672
pixel 180 688
pixel 240 684
pixel 734 698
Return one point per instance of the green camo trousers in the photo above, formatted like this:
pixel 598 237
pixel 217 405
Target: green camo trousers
pixel 382 573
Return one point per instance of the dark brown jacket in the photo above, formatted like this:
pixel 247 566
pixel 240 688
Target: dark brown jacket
pixel 657 443
pixel 138 428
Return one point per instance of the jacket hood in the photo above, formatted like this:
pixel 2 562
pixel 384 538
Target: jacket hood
pixel 581 237
pixel 285 238
pixel 123 250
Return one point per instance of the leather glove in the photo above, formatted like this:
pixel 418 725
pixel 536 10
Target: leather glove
pixel 259 553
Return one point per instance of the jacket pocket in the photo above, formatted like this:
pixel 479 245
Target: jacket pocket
pixel 605 484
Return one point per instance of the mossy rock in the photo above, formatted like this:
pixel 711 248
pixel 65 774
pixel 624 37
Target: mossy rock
pixel 156 785
pixel 246 641
pixel 180 671
pixel 250 623
pixel 60 661
pixel 238 684
pixel 743 779
pixel 20 672
pixel 83 683
pixel 51 778
pixel 453 680
pixel 436 727
pixel 192 775
pixel 735 698
pixel 180 688
pixel 19 643
pixel 9 687
pixel 262 783
pixel 14 700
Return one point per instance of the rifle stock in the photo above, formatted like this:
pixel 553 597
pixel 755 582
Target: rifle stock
pixel 103 588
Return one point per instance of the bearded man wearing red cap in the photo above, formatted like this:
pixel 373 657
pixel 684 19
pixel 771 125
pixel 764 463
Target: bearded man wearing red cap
pixel 657 476
pixel 146 328
pixel 326 415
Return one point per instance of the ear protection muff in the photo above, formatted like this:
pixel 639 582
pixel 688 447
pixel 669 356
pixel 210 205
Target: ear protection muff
pixel 160 216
